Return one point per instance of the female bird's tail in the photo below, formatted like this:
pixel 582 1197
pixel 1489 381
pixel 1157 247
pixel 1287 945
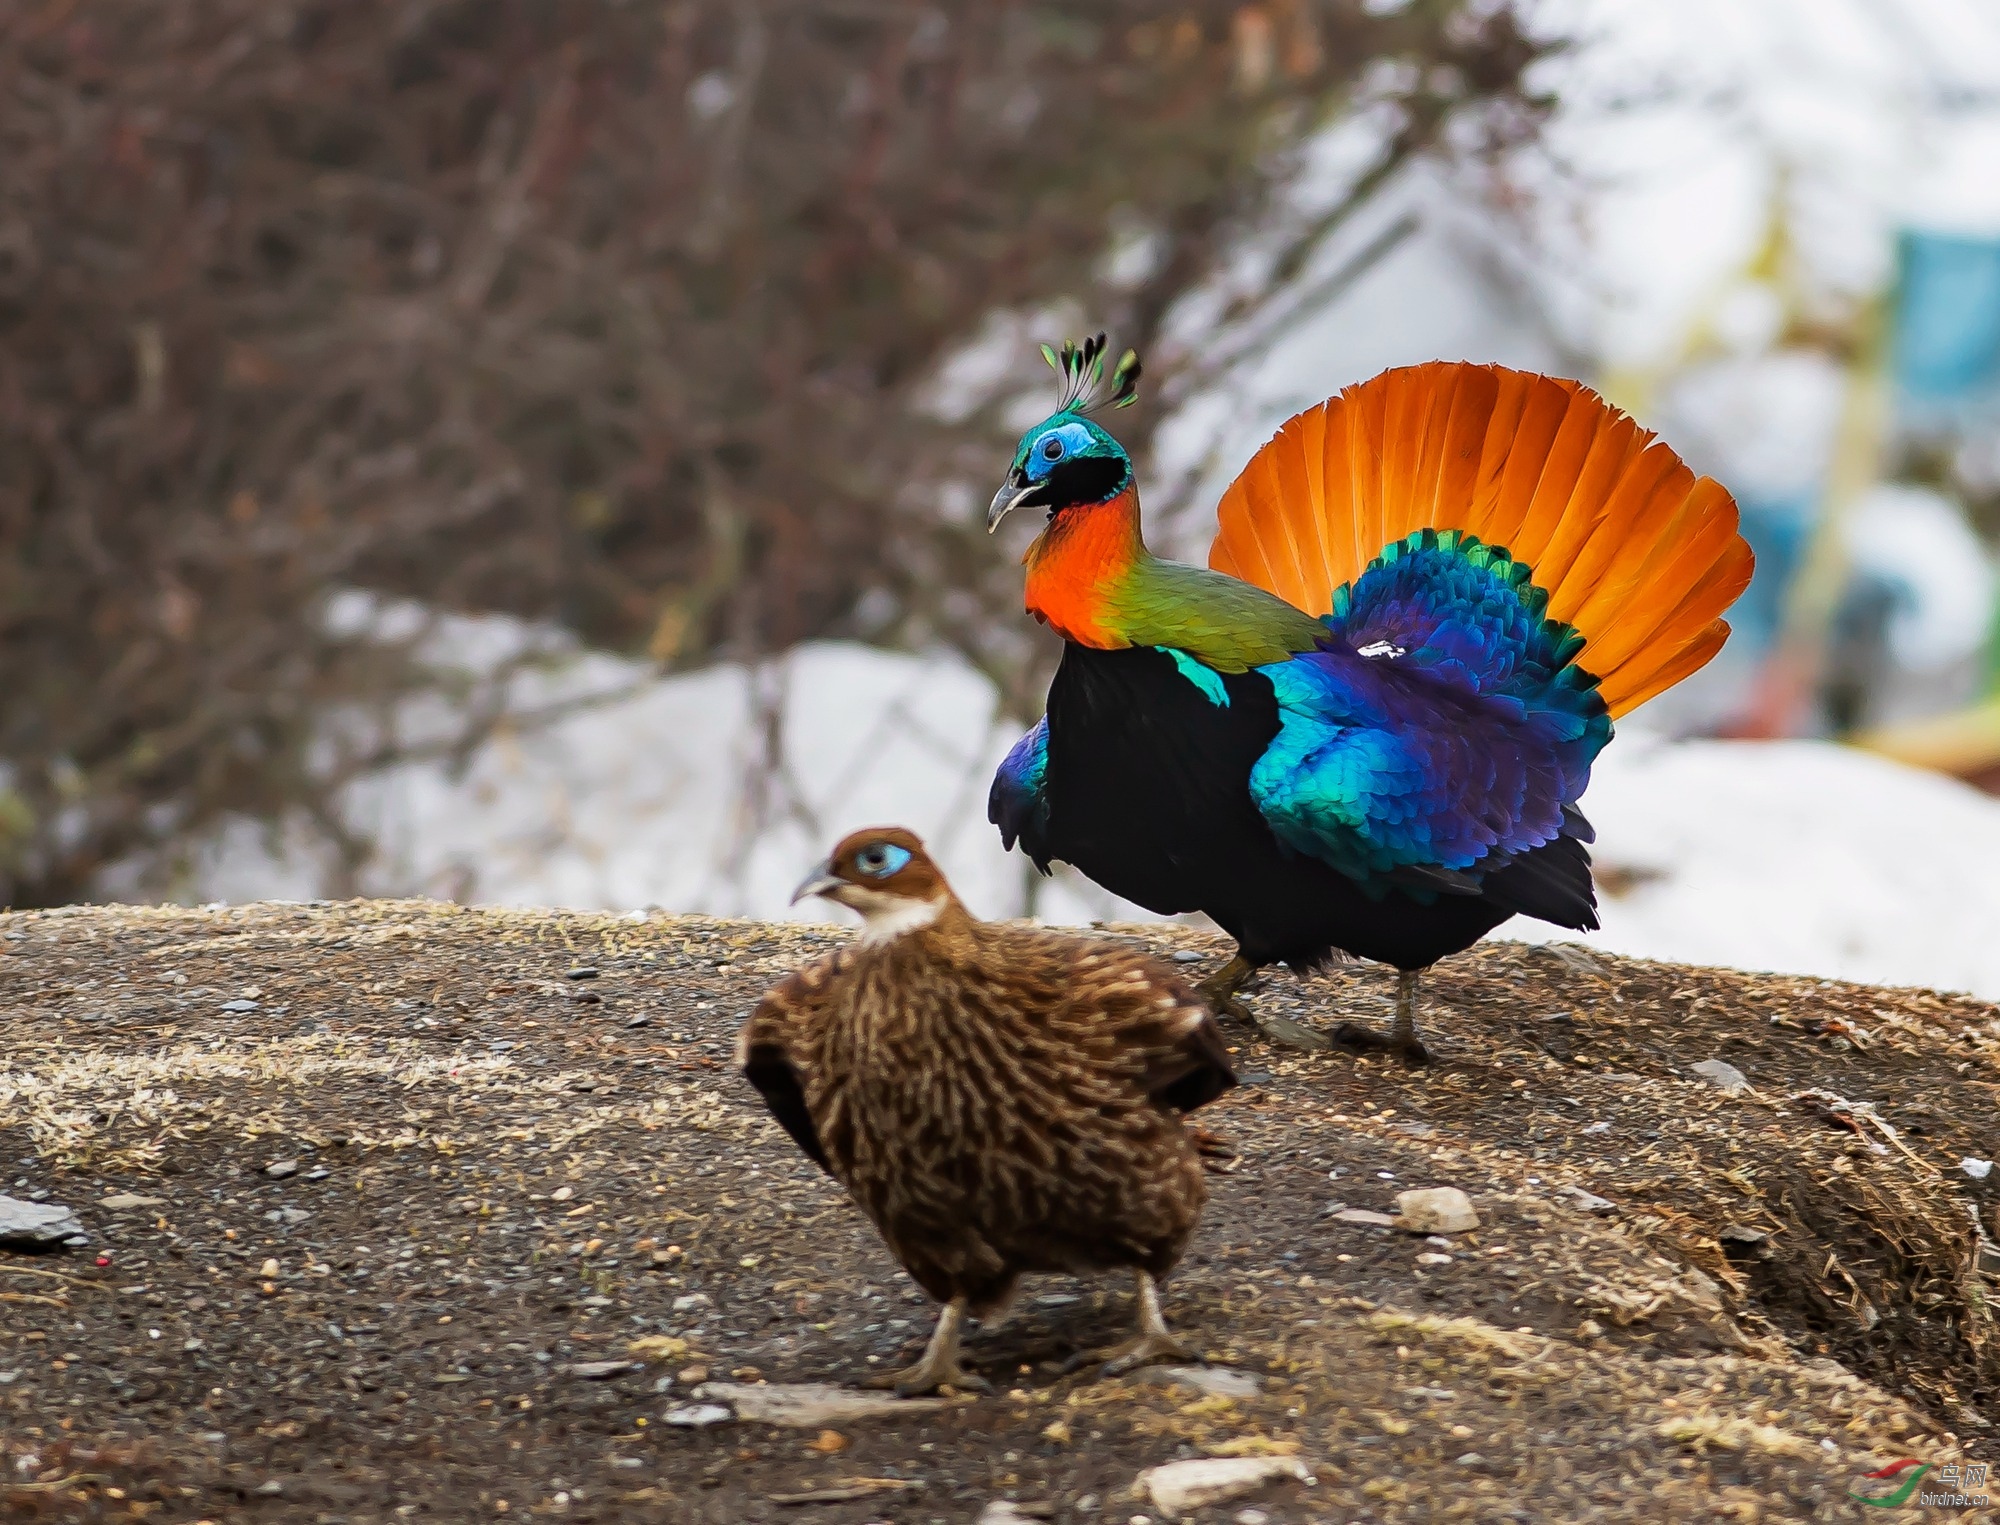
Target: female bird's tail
pixel 1634 552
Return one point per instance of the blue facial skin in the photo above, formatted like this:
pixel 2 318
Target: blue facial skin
pixel 879 860
pixel 1049 448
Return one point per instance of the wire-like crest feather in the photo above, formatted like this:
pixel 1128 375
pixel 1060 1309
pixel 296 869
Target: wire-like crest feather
pixel 1081 367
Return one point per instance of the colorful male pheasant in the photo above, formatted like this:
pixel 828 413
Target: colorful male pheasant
pixel 1366 726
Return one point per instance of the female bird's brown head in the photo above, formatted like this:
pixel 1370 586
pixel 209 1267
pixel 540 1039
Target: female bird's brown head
pixel 884 873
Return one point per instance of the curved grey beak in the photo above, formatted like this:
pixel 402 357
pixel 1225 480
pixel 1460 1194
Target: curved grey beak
pixel 1014 493
pixel 818 882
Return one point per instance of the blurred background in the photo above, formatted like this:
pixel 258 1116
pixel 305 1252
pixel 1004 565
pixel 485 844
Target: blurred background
pixel 534 451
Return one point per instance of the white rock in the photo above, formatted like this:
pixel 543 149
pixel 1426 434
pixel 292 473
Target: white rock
pixel 1180 1487
pixel 1723 1075
pixel 698 1416
pixel 808 1405
pixel 1437 1210
pixel 1003 1512
pixel 36 1225
pixel 1364 1216
pixel 1583 1201
pixel 1979 1170
pixel 1216 1381
pixel 119 1201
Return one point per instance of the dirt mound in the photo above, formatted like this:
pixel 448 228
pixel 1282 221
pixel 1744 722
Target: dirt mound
pixel 408 1211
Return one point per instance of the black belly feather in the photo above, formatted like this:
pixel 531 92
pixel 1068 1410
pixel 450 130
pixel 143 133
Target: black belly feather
pixel 1149 795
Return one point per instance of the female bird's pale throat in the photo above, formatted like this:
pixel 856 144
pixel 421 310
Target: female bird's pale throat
pixel 886 917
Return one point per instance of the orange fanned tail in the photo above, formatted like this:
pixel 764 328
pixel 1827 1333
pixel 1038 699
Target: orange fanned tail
pixel 1634 551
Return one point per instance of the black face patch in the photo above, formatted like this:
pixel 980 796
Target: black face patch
pixel 1083 479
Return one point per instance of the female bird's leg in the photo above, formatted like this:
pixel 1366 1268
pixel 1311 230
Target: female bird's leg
pixel 1154 1342
pixel 1219 990
pixel 1402 1039
pixel 939 1365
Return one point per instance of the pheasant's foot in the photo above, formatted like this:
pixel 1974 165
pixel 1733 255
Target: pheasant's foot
pixel 1407 1047
pixel 1130 1355
pixel 1217 1154
pixel 1220 991
pixel 939 1366
pixel 928 1375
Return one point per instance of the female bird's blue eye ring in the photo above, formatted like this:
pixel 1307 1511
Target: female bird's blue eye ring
pixel 879 860
pixel 1052 449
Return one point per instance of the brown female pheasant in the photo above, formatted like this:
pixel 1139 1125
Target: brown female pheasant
pixel 999 1100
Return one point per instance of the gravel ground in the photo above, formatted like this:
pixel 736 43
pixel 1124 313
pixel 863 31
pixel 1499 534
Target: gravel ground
pixel 405 1211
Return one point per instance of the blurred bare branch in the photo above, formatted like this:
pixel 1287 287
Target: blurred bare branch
pixel 606 315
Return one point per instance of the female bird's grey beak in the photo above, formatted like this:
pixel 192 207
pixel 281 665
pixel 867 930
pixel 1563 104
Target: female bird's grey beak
pixel 818 882
pixel 1013 493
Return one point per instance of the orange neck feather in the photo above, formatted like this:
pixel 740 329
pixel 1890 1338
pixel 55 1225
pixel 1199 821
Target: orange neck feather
pixel 1085 552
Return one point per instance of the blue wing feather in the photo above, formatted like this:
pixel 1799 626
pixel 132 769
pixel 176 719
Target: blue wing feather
pixel 1018 802
pixel 1442 728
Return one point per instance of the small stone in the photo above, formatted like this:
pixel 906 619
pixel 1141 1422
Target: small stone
pixel 1188 956
pixel 1362 1215
pixel 1470 1459
pixel 1436 1210
pixel 1599 1127
pixel 1978 1169
pixel 1724 1076
pixel 642 1020
pixel 1433 1258
pixel 1582 1201
pixel 1216 1381
pixel 1007 1512
pixel 1252 1517
pixel 239 1005
pixel 1181 1487
pixel 562 1193
pixel 689 1300
pixel 809 1405
pixel 1743 1234
pixel 698 1416
pixel 121 1201
pixel 277 1170
pixel 581 972
pixel 1286 1033
pixel 601 1371
pixel 37 1225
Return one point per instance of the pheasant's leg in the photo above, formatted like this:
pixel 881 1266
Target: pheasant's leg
pixel 1219 990
pixel 939 1366
pixel 1154 1342
pixel 1401 1040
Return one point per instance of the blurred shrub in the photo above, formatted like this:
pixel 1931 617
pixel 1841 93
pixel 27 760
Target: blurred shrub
pixel 604 313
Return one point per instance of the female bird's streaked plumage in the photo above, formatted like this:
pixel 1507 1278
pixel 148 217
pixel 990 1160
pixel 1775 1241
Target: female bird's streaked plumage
pixel 1366 726
pixel 999 1100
